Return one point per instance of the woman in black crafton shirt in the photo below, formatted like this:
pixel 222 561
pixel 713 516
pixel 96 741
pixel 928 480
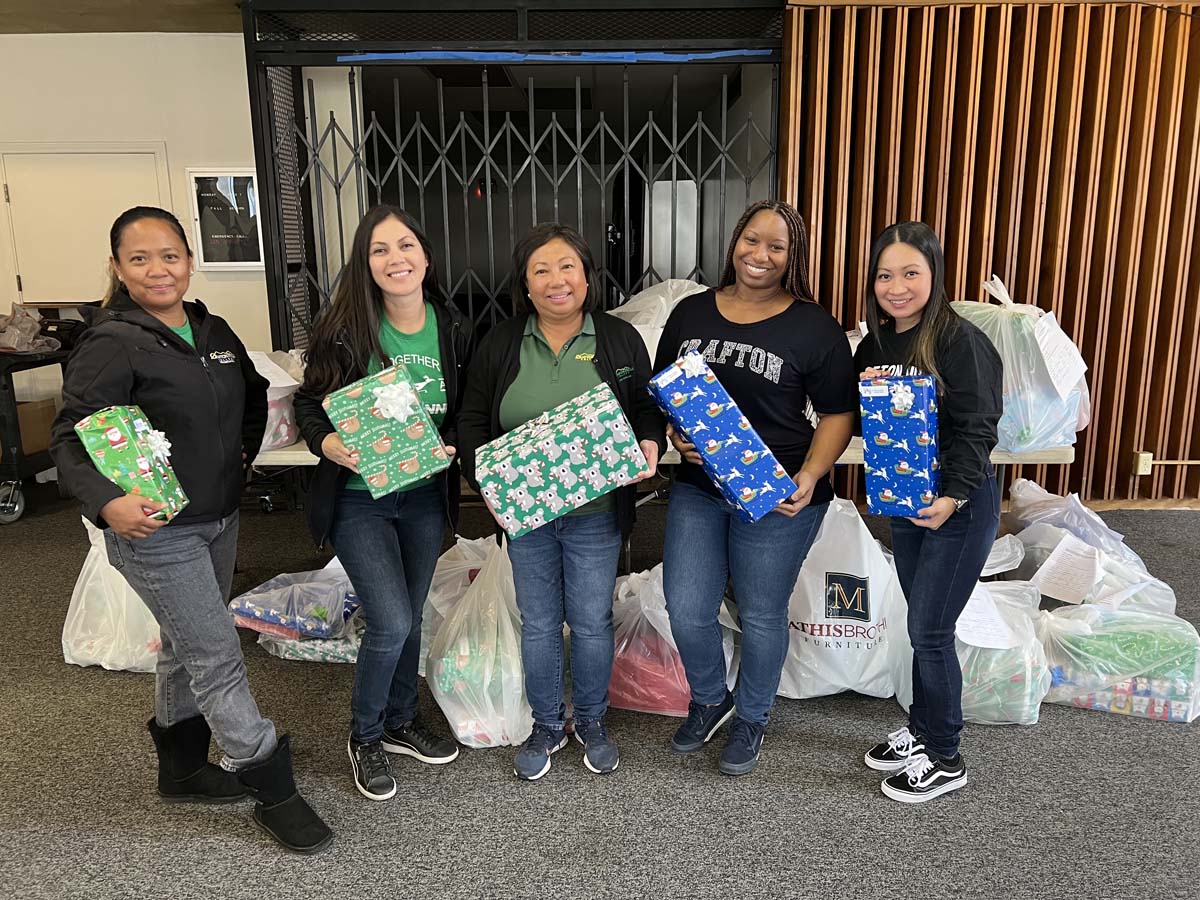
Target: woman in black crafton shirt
pixel 940 552
pixel 785 361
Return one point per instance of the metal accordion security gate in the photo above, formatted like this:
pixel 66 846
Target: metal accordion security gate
pixel 651 155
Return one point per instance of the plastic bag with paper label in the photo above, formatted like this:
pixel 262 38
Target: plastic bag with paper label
pixel 1123 661
pixel 648 675
pixel 107 623
pixel 847 615
pixel 1030 503
pixel 1110 581
pixel 453 574
pixel 1036 416
pixel 1004 672
pixel 474 667
pixel 648 310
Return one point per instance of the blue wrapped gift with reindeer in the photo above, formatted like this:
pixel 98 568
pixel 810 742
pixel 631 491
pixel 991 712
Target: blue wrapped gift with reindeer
pixel 734 456
pixel 900 443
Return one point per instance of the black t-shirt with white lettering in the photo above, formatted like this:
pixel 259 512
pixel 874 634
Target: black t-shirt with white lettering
pixel 778 371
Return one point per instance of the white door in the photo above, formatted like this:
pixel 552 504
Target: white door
pixel 60 209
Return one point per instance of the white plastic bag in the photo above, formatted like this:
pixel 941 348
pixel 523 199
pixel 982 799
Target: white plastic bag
pixel 648 674
pixel 847 614
pixel 1004 672
pixel 1123 661
pixel 648 310
pixel 1035 416
pixel 1030 503
pixel 107 623
pixel 298 604
pixel 474 666
pixel 282 430
pixel 1006 554
pixel 453 574
pixel 1118 585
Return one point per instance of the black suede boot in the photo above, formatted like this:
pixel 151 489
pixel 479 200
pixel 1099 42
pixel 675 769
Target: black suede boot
pixel 281 811
pixel 184 773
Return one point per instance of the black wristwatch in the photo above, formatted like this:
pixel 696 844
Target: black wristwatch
pixel 959 503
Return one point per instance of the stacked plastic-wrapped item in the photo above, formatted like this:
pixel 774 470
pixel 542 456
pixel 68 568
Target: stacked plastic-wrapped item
pixel 312 616
pixel 1036 415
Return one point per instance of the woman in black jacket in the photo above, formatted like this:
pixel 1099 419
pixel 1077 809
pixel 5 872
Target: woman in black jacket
pixel 940 551
pixel 552 351
pixel 387 310
pixel 190 374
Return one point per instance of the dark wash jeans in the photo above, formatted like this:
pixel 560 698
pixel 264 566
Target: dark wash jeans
pixel 938 571
pixel 389 548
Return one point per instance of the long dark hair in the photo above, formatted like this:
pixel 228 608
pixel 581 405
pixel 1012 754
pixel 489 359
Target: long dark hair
pixel 938 318
pixel 795 280
pixel 123 221
pixel 346 336
pixel 539 236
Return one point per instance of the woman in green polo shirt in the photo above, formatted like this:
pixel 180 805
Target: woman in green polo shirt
pixel 556 347
pixel 387 309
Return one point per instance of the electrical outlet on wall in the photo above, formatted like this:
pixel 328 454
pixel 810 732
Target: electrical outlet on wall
pixel 1142 462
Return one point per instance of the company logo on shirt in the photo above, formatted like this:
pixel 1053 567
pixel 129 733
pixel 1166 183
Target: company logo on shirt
pixel 847 597
pixel 224 357
pixel 624 372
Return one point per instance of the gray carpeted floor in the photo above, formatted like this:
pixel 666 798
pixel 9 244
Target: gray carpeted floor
pixel 1083 805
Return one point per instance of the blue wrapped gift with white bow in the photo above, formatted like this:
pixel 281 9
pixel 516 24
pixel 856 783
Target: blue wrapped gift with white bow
pixel 734 456
pixel 900 443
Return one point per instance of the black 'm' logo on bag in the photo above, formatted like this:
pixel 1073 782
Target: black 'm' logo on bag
pixel 847 597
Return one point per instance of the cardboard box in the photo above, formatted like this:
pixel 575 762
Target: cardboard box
pixel 33 421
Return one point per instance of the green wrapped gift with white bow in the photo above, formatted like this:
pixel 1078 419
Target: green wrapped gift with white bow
pixel 382 418
pixel 563 459
pixel 127 450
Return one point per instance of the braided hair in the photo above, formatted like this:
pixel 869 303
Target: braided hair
pixel 795 281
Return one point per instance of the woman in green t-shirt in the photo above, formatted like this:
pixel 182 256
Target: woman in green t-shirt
pixel 387 309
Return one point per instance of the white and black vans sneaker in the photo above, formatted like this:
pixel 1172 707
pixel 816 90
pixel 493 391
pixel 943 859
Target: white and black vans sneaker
pixel 892 755
pixel 924 778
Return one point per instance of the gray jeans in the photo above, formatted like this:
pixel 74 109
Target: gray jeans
pixel 184 573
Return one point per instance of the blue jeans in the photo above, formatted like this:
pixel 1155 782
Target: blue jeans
pixel 389 548
pixel 706 546
pixel 565 571
pixel 938 571
pixel 183 573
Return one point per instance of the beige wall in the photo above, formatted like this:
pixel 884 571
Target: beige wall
pixel 186 90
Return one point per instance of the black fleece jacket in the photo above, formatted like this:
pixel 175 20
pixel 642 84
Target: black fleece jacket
pixel 621 361
pixel 209 401
pixel 454 346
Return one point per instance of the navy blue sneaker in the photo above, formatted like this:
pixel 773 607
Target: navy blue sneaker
pixel 702 723
pixel 740 755
pixel 533 759
pixel 600 754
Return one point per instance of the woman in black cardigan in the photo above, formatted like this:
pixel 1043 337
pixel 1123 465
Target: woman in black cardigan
pixel 553 350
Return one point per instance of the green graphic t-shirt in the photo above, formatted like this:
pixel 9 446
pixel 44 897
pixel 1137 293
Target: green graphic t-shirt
pixel 421 356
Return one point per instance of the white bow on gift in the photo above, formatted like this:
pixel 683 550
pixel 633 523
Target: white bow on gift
pixel 160 447
pixel 396 401
pixel 694 365
pixel 902 397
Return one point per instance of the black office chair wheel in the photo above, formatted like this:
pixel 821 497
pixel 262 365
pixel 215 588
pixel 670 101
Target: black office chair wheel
pixel 267 504
pixel 12 502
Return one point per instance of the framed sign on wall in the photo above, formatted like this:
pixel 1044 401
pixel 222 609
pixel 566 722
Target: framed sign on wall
pixel 225 219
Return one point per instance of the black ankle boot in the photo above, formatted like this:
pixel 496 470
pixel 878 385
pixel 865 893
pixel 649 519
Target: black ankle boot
pixel 184 773
pixel 281 811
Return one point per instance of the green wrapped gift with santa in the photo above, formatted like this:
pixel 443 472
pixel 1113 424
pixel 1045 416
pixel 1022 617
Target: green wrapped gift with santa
pixel 127 450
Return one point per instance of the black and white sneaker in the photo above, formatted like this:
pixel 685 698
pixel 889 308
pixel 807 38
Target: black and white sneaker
pixel 372 771
pixel 414 740
pixel 892 755
pixel 924 778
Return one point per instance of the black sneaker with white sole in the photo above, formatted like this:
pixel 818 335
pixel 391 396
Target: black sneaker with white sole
pixel 372 771
pixel 925 777
pixel 413 739
pixel 533 757
pixel 892 755
pixel 702 723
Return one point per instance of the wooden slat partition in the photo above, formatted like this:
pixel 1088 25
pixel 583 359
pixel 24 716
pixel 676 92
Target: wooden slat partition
pixel 1054 144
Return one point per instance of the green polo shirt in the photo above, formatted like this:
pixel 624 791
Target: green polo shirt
pixel 547 379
